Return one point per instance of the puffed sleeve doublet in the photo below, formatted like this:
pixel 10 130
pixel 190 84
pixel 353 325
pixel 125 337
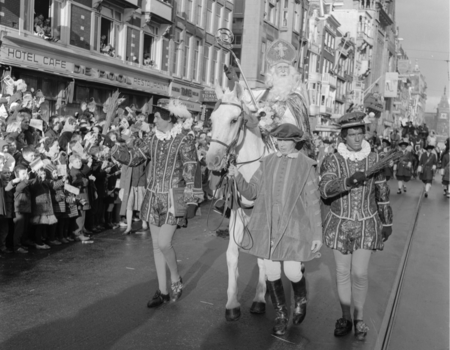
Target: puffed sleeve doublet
pixel 173 164
pixel 358 213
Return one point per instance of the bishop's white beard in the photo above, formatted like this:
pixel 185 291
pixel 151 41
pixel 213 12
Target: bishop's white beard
pixel 282 87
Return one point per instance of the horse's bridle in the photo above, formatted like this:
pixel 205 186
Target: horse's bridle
pixel 241 121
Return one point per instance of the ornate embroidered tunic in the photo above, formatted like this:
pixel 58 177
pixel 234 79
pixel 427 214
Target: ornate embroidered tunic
pixel 173 164
pixel 357 214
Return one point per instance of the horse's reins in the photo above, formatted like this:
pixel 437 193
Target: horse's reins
pixel 230 185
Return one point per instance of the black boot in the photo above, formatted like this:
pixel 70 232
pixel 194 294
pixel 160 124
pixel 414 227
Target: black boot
pixel 276 292
pixel 158 299
pixel 299 300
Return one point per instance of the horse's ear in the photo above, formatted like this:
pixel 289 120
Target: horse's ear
pixel 219 91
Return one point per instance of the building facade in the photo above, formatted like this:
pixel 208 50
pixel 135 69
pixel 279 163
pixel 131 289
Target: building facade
pixel 256 24
pixel 148 49
pixel 197 62
pixel 443 117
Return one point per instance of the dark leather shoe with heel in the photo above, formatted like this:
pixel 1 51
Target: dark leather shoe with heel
pixel 158 299
pixel 343 327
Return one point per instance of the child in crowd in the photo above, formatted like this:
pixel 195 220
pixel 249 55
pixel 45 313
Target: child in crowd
pixel 42 214
pixel 22 208
pixel 60 230
pixel 79 180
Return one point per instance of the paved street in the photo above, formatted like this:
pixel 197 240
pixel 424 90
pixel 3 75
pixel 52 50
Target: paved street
pixel 94 296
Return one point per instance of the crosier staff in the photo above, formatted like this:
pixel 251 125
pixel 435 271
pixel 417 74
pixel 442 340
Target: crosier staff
pixel 225 38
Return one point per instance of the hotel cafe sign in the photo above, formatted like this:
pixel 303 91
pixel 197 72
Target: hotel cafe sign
pixel 18 56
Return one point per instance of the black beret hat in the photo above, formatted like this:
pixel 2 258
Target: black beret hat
pixel 403 143
pixel 287 132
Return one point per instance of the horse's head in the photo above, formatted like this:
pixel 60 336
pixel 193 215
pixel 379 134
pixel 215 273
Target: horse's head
pixel 227 121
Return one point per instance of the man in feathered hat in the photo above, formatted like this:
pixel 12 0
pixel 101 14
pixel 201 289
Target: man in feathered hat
pixel 359 221
pixel 286 224
pixel 284 100
pixel 174 164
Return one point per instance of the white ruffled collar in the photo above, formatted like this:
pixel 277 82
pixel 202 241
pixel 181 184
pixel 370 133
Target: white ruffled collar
pixel 354 156
pixel 177 128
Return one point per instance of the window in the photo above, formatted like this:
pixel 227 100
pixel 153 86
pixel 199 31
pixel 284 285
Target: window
pixel 176 51
pixel 196 61
pixel 180 8
pixel 189 10
pixel 220 66
pixel 226 19
pixel 238 39
pixel 187 52
pixel 209 16
pixel 109 31
pixel 271 11
pixel 284 20
pixel 44 21
pixel 237 52
pixel 263 56
pixel 265 64
pixel 297 17
pixel 238 8
pixel 205 62
pixel 217 19
pixel 148 54
pixel 214 66
pixel 327 66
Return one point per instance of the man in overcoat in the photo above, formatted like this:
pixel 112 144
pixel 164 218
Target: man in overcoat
pixel 285 223
pixel 404 167
pixel 427 167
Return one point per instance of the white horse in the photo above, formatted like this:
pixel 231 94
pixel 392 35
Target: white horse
pixel 233 126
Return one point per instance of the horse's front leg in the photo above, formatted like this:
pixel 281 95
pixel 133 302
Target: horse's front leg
pixel 259 301
pixel 233 307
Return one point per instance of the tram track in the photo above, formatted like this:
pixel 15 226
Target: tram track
pixel 387 324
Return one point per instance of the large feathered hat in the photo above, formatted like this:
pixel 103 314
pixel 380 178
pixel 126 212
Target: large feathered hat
pixel 351 120
pixel 281 51
pixel 168 107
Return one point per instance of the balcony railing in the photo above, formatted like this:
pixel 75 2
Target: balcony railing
pixel 162 9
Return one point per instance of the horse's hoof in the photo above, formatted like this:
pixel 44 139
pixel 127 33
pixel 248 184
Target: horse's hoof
pixel 233 314
pixel 258 308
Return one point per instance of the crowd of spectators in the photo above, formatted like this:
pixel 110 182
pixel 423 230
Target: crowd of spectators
pixel 58 182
